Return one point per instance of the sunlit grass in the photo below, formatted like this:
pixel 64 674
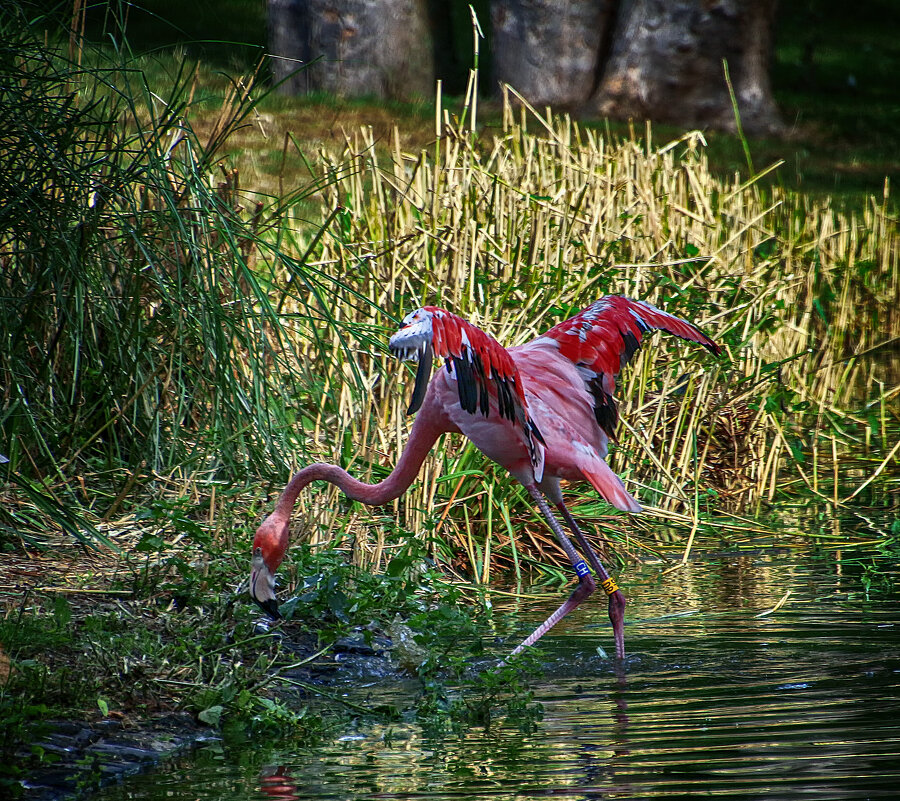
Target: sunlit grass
pixel 199 299
pixel 528 227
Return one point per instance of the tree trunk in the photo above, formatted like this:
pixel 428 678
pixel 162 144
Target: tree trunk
pixel 666 64
pixel 379 48
pixel 549 50
pixel 646 59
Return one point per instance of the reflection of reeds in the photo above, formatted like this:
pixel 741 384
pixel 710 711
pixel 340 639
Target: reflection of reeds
pixel 171 333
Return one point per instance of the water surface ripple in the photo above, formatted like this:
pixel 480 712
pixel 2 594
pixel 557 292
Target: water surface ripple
pixel 712 702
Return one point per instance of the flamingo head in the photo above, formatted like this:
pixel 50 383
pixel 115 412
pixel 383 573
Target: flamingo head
pixel 413 342
pixel 268 551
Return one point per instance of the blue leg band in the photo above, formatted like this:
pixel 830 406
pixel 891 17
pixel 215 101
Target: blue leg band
pixel 582 569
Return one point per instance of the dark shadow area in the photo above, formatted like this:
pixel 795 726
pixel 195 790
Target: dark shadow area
pixel 835 79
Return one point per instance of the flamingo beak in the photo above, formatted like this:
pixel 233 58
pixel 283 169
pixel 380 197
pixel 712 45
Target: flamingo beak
pixel 262 587
pixel 270 607
pixel 423 376
pixel 413 343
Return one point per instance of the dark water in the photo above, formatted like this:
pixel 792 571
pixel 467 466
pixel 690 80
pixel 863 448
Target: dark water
pixel 713 702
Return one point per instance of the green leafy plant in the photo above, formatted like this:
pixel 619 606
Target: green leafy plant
pixel 454 697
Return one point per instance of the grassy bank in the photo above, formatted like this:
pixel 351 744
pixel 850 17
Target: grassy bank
pixel 197 290
pixel 149 635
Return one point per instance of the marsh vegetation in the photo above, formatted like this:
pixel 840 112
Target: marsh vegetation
pixel 195 298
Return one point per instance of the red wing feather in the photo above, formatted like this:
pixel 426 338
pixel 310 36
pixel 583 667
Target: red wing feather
pixel 481 365
pixel 602 338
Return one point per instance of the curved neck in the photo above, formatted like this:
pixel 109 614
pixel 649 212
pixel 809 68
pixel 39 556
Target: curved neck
pixel 423 435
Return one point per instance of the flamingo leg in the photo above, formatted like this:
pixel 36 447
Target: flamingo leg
pixel 586 583
pixel 616 598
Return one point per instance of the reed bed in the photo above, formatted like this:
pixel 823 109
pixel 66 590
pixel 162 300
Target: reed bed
pixel 176 341
pixel 519 230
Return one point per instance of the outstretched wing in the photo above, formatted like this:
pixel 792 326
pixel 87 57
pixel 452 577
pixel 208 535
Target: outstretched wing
pixel 601 339
pixel 480 365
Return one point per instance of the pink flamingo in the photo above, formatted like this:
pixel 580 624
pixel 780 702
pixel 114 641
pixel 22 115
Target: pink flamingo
pixel 543 410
